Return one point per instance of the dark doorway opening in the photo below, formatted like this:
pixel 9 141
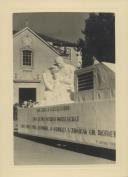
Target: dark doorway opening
pixel 26 94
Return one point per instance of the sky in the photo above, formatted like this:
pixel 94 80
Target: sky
pixel 63 25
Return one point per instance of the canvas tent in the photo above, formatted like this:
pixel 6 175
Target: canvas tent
pixel 95 82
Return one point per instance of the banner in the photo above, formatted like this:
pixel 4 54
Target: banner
pixel 90 123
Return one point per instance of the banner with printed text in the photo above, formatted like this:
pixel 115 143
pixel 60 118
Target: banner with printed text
pixel 91 123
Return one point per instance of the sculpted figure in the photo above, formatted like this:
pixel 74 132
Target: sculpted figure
pixel 49 81
pixel 79 60
pixel 59 83
pixel 66 80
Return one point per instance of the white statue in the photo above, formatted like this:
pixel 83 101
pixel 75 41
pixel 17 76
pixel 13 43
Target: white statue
pixel 79 60
pixel 66 72
pixel 59 83
pixel 49 81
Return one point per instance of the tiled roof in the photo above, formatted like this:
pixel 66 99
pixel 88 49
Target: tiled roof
pixel 55 41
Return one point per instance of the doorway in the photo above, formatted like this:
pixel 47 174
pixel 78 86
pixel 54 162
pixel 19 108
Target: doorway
pixel 26 94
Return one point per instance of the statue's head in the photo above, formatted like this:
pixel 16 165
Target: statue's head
pixel 59 62
pixel 54 69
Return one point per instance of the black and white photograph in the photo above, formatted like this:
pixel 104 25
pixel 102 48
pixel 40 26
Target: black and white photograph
pixel 64 88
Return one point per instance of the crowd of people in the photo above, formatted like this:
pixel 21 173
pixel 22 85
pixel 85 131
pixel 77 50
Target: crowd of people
pixel 29 104
pixel 26 104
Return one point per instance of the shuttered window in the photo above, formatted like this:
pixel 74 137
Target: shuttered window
pixel 85 81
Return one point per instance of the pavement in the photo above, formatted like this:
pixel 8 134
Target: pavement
pixel 27 152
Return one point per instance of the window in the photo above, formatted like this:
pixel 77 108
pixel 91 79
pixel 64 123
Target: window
pixel 27 58
pixel 85 81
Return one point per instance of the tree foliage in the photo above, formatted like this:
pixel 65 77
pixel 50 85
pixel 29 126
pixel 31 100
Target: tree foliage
pixel 99 38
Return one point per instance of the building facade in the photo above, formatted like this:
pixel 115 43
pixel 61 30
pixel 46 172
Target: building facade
pixel 32 56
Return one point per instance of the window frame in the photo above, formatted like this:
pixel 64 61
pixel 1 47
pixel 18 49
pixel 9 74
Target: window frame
pixel 21 60
pixel 85 81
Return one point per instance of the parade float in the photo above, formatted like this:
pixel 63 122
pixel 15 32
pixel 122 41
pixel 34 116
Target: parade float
pixel 88 119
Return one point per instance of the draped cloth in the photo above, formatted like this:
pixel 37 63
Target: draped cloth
pixel 58 86
pixel 103 84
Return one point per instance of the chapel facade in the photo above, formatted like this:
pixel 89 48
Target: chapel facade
pixel 32 55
